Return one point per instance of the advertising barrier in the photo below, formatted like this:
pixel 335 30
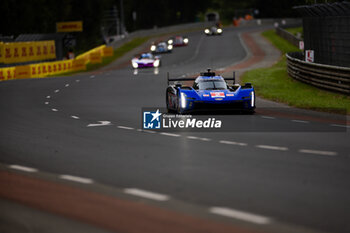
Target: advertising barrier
pixel 38 50
pixel 18 52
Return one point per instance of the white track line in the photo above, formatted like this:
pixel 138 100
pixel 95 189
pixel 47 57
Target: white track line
pixel 233 143
pixel 148 131
pixel 54 110
pixel 67 85
pixel 170 134
pixel 300 121
pixel 245 216
pixel 272 147
pixel 125 127
pixel 268 117
pixel 205 139
pixel 77 179
pixel 146 194
pixel 46 102
pixel 56 91
pixel 48 97
pixel 75 117
pixel 77 80
pixel 92 76
pixel 344 126
pixel 192 137
pixel 23 168
pixel 318 152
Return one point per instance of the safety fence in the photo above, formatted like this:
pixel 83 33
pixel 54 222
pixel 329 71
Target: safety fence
pixel 288 36
pixel 333 78
pixel 21 52
pixel 44 69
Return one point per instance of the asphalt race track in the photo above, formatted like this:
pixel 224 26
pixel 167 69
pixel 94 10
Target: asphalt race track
pixel 290 169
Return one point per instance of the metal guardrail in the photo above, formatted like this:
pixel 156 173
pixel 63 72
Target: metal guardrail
pixel 333 78
pixel 288 36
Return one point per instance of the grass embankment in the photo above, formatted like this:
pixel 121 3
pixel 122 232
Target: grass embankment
pixel 295 31
pixel 275 84
pixel 119 52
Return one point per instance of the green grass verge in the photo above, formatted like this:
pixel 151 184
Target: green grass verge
pixel 119 52
pixel 295 31
pixel 275 84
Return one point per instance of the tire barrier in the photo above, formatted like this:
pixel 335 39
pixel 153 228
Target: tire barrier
pixel 333 78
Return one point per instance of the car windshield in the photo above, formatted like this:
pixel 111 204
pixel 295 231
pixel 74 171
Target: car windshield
pixel 212 85
pixel 145 55
pixel 178 39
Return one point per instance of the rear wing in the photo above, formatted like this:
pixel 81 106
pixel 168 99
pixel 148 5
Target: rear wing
pixel 194 78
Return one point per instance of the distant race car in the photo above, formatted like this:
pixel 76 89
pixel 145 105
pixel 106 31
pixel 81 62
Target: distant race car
pixel 213 31
pixel 209 92
pixel 145 60
pixel 161 47
pixel 178 41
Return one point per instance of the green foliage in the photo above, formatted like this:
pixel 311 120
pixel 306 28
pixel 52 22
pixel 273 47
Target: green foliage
pixel 274 83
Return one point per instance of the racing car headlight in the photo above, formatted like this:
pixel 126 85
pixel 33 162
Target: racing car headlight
pixel 183 100
pixel 156 63
pixel 185 40
pixel 134 64
pixel 170 47
pixel 170 41
pixel 206 31
pixel 252 100
pixel 219 30
pixel 153 48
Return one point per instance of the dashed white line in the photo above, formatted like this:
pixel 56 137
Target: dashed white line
pixel 48 97
pixel 170 134
pixel 318 152
pixel 75 117
pixel 67 85
pixel 146 194
pixel 233 143
pixel 92 76
pixel 102 123
pixel 148 131
pixel 125 127
pixel 192 137
pixel 77 80
pixel 23 168
pixel 300 121
pixel 241 215
pixel 46 103
pixel 54 110
pixel 205 139
pixel 344 126
pixel 268 117
pixel 272 147
pixel 77 179
pixel 56 91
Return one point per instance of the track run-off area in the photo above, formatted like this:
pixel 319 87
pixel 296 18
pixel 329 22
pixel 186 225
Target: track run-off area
pixel 73 152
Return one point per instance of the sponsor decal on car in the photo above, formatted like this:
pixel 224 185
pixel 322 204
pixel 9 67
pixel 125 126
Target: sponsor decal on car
pixel 217 94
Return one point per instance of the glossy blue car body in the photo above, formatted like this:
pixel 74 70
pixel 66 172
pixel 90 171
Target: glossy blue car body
pixel 190 98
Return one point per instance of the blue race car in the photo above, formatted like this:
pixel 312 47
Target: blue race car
pixel 161 47
pixel 209 92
